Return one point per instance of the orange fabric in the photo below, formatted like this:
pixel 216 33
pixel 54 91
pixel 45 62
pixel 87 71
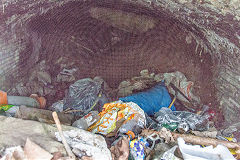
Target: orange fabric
pixel 3 98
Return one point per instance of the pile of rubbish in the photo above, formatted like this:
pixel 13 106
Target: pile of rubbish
pixel 155 116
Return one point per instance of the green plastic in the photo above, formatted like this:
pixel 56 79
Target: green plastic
pixel 171 126
pixel 5 107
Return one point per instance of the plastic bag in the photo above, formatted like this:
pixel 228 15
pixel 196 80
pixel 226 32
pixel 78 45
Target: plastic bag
pixel 84 95
pixel 169 155
pixel 196 152
pixel 152 100
pixel 195 122
pixel 131 114
pixel 137 147
pixel 57 106
pixel 5 107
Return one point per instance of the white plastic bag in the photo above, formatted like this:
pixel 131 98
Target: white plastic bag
pixel 195 152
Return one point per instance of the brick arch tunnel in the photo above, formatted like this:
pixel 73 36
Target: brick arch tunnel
pixel 118 39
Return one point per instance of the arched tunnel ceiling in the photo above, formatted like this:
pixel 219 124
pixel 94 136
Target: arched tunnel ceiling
pixel 118 42
pixel 209 19
pixel 212 27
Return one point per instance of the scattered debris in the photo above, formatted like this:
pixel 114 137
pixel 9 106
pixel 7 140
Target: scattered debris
pixel 84 96
pixel 211 133
pixel 57 106
pixel 147 80
pixel 86 121
pixel 137 147
pixel 151 100
pixel 86 144
pixel 190 152
pixel 13 153
pixel 145 123
pixel 120 151
pixel 119 116
pixel 66 75
pixel 140 83
pixel 31 151
pixel 169 155
pixel 68 149
pixel 44 116
pixel 18 130
pixel 34 151
pixel 181 82
pixel 34 101
pixel 185 120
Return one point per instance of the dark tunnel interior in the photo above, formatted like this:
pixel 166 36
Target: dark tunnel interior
pixel 116 41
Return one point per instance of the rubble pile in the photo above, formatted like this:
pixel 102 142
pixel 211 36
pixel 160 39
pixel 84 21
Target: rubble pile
pixel 156 116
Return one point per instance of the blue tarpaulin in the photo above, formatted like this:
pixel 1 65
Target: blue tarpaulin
pixel 152 100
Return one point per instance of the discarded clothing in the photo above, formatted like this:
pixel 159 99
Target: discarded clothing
pixel 152 100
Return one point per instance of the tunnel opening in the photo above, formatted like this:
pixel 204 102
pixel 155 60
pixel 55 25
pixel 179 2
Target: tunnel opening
pixel 46 47
pixel 115 41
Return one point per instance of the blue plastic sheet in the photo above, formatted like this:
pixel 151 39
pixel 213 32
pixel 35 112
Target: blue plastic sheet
pixel 152 100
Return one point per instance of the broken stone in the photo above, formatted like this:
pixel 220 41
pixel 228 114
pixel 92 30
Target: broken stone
pixel 64 62
pixel 144 81
pixel 125 91
pixel 13 153
pixel 35 87
pixel 33 151
pixel 42 66
pixel 86 144
pixel 48 91
pixel 66 75
pixel 18 130
pixel 158 77
pixel 44 77
pixel 22 89
pixel 231 129
pixel 144 73
pixel 124 84
pixel 152 75
pixel 65 78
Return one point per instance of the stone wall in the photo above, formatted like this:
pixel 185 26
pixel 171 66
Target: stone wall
pixel 216 23
pixel 213 24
